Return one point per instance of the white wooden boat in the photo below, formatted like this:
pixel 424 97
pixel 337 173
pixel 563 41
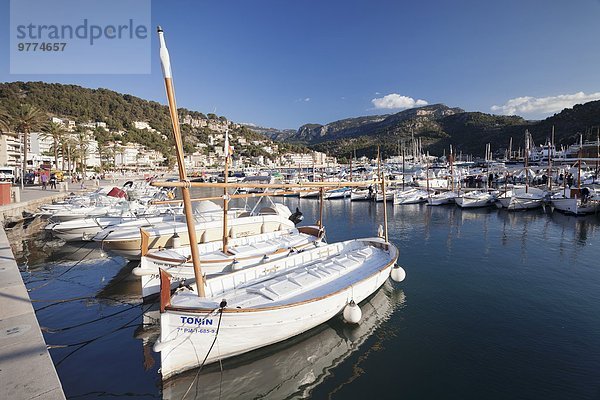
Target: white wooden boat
pixel 340 193
pixel 441 198
pixel 241 253
pixel 361 195
pixel 269 303
pixel 126 241
pixel 389 196
pixel 522 198
pixel 475 199
pixel 575 201
pixel 309 194
pixel 410 196
pixel 293 368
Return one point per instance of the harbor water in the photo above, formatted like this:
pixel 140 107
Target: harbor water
pixel 496 305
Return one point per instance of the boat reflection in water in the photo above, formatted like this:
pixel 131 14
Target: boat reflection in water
pixel 290 369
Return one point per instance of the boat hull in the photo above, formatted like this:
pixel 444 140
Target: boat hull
pixel 246 331
pixel 575 206
pixel 187 334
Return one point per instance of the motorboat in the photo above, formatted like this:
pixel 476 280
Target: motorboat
pixel 126 241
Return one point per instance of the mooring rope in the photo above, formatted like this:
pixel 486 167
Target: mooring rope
pixel 221 307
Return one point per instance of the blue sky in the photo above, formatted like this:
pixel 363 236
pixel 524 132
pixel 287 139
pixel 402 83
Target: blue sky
pixel 284 63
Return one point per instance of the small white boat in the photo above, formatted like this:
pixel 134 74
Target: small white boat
pixel 361 195
pixel 475 199
pixel 441 198
pixel 576 201
pixel 340 193
pixel 410 196
pixel 309 194
pixel 269 303
pixel 293 369
pixel 241 253
pixel 389 196
pixel 522 198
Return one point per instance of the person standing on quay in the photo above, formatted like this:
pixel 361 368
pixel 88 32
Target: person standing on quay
pixel 52 181
pixel 44 179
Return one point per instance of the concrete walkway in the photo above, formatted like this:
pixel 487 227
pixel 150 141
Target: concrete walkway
pixel 26 369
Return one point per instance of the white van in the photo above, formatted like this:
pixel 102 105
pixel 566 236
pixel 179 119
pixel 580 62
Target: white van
pixel 7 174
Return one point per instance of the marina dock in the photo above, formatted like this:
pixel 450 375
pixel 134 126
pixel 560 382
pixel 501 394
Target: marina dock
pixel 26 369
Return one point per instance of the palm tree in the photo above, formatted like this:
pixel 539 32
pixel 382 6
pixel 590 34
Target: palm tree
pixel 82 142
pixel 56 132
pixel 24 119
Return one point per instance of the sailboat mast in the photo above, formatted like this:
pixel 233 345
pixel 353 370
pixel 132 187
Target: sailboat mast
pixel 382 177
pixel 403 158
pixel 185 190
pixel 451 169
pixel 526 156
pixel 350 166
pixel 550 155
pixel 225 193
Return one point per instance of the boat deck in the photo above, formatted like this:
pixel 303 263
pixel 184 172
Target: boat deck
pixel 302 278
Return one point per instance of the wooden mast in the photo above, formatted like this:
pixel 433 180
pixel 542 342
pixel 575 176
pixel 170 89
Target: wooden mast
pixel 185 190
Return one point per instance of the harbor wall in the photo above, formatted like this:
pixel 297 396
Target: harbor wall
pixel 26 369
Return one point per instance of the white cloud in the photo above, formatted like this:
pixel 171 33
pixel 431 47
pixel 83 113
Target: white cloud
pixel 543 105
pixel 396 101
pixel 307 99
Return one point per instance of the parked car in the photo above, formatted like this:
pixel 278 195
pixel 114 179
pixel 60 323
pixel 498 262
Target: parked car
pixel 29 178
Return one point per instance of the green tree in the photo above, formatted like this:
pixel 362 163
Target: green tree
pixel 56 132
pixel 82 145
pixel 26 118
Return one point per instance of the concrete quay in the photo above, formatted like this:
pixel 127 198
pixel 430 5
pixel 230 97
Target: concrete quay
pixel 26 369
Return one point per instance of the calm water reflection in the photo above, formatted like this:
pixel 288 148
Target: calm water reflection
pixel 496 305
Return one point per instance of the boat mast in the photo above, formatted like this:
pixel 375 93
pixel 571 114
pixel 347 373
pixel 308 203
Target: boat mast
pixel 526 156
pixel 550 155
pixel 597 154
pixel 427 171
pixel 382 177
pixel 579 154
pixel 403 158
pixel 225 193
pixel 451 169
pixel 185 190
pixel 350 166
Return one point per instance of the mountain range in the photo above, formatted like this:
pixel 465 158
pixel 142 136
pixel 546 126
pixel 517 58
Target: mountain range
pixel 438 126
